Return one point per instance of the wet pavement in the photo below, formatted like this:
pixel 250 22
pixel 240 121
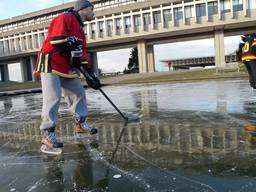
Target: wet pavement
pixel 189 138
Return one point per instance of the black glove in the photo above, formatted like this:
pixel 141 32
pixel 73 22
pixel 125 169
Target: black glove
pixel 73 43
pixel 90 77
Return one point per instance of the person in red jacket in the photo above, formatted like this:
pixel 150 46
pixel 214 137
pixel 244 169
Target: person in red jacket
pixel 62 54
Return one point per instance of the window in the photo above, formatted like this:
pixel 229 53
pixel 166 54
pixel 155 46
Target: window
pixel 146 19
pixel 101 28
pixel 157 17
pixel 251 4
pixel 167 15
pixel 188 11
pixel 213 8
pixel 101 24
pixel 109 27
pixel 200 10
pixel 237 5
pixel 178 13
pixel 118 23
pixel 137 20
pixel 127 22
pixel 225 6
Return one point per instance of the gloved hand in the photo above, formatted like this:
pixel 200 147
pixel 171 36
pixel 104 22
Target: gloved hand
pixel 73 42
pixel 76 57
pixel 90 77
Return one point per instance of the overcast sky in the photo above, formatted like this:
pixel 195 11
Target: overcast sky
pixel 117 60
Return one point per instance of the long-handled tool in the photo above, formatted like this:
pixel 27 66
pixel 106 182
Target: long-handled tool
pixel 86 75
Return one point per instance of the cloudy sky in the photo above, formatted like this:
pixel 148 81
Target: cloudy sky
pixel 117 60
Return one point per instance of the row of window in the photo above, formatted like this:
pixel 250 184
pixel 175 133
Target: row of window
pixel 27 23
pixel 114 3
pixel 39 20
pixel 228 58
pixel 21 43
pixel 225 6
pixel 167 17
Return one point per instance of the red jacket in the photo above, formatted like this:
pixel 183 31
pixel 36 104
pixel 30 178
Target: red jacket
pixel 50 59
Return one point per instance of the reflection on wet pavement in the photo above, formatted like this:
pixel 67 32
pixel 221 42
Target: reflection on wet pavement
pixel 190 138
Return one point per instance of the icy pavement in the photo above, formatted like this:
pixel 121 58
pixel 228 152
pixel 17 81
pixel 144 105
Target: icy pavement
pixel 190 138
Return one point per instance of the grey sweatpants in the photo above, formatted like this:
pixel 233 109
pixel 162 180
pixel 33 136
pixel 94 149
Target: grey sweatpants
pixel 73 92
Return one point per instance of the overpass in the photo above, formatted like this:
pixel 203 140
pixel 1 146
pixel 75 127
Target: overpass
pixel 130 23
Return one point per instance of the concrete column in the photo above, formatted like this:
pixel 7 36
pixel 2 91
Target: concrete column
pixel 194 3
pixel 105 27
pixel 5 46
pixel 244 7
pixel 183 13
pixel 219 12
pixel 32 66
pixel 219 48
pixel 27 42
pixel 23 43
pixel 142 56
pixel 114 24
pixel 97 29
pixel 173 22
pixel 4 73
pixel 146 57
pixel 162 16
pixel 33 44
pixel 150 58
pixel 132 22
pixel 231 9
pixel 206 10
pixel 24 69
pixel 94 62
pixel 16 45
pixel 40 39
pixel 151 18
pixel 10 46
pixel 122 30
pixel 141 21
pixel 1 47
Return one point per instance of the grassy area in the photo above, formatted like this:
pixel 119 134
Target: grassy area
pixel 191 75
pixel 19 86
pixel 175 76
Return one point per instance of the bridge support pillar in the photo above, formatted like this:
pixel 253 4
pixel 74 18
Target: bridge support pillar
pixel 151 58
pixel 26 69
pixel 146 57
pixel 32 66
pixel 4 73
pixel 94 61
pixel 219 49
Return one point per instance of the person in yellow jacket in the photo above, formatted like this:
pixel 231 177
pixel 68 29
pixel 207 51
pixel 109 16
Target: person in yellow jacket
pixel 247 54
pixel 247 48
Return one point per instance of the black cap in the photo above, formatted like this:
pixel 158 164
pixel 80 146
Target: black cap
pixel 81 4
